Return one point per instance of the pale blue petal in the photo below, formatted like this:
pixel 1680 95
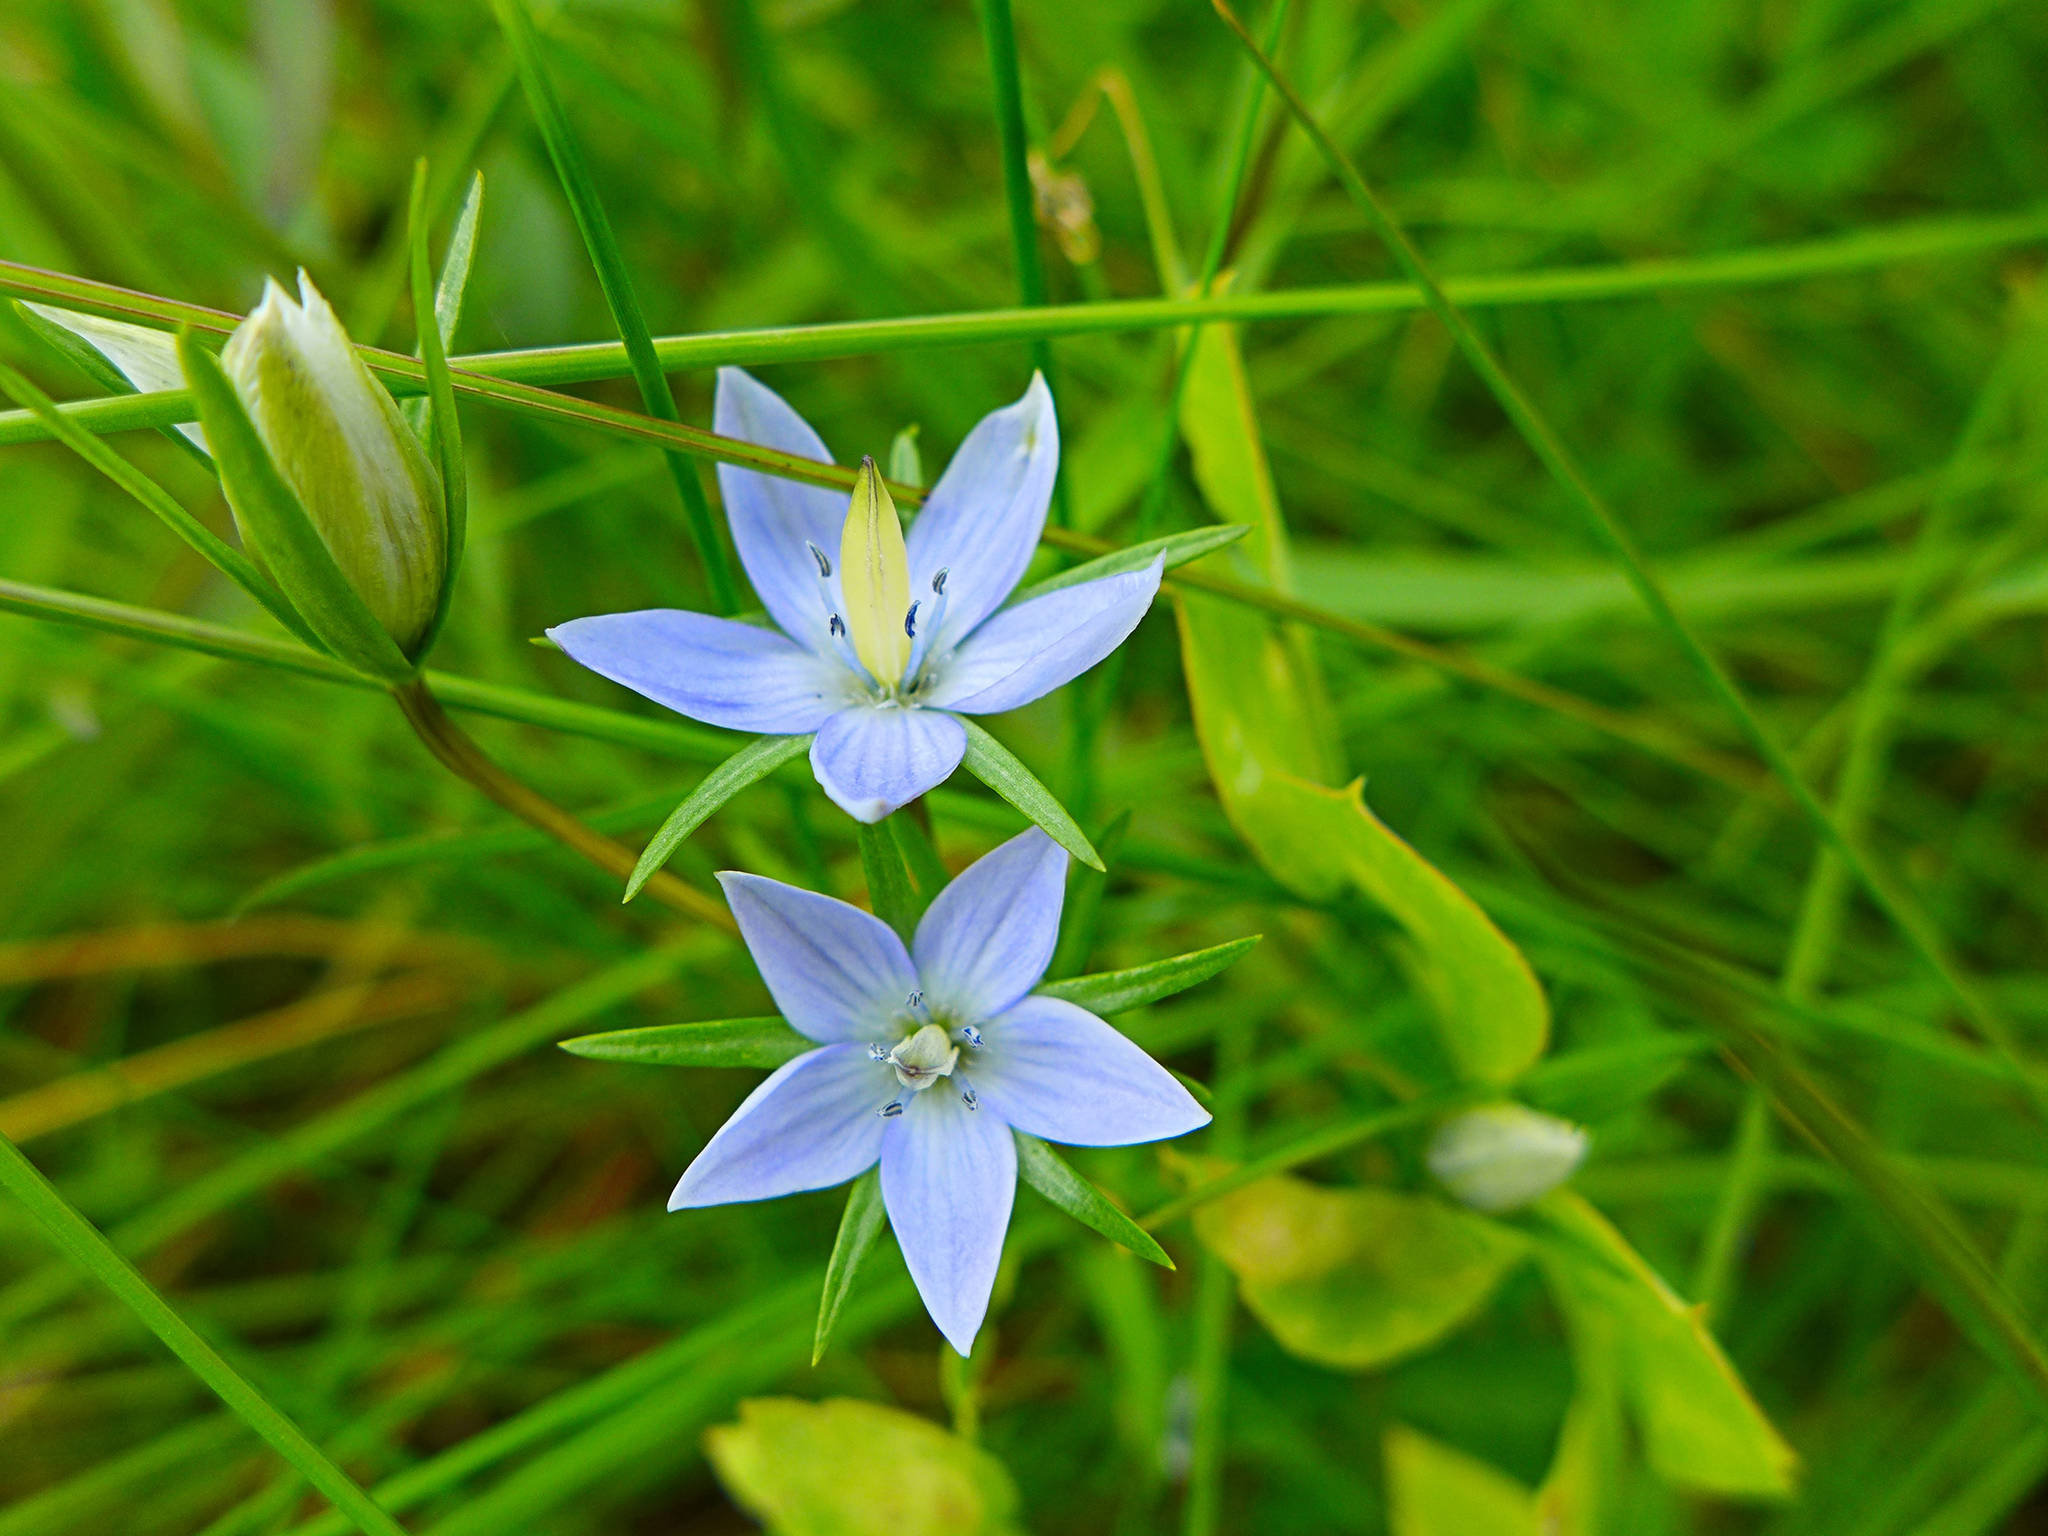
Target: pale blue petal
pixel 982 520
pixel 987 938
pixel 836 972
pixel 872 758
pixel 1027 651
pixel 949 1175
pixel 1057 1071
pixel 773 519
pixel 814 1123
pixel 739 676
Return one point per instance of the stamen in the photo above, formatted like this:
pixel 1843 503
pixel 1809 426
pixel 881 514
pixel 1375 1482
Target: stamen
pixel 971 1035
pixel 891 1110
pixel 877 1052
pixel 910 622
pixel 914 1002
pixel 921 644
pixel 843 644
pixel 939 582
pixel 967 1097
pixel 824 565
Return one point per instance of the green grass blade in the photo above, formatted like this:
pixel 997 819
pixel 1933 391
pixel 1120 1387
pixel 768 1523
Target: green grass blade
pixel 1108 992
pixel 752 763
pixel 276 523
pixel 1175 549
pixel 998 767
pixel 91 1251
pixel 891 892
pixel 443 423
pixel 858 1228
pixel 755 1042
pixel 1049 1173
pixel 617 283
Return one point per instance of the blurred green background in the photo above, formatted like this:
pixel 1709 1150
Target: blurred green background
pixel 277 996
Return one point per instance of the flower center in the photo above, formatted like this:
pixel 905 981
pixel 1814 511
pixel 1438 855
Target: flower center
pixel 875 576
pixel 924 1058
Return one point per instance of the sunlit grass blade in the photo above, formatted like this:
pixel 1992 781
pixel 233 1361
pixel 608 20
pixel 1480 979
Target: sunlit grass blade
pixel 1173 550
pixel 443 423
pixel 79 339
pixel 1108 992
pixel 84 1244
pixel 752 763
pixel 1049 1173
pixel 859 1226
pixel 999 768
pixel 617 283
pixel 756 1042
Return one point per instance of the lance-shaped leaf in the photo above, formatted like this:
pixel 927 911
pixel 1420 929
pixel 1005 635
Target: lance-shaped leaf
pixel 1049 1173
pixel 859 1225
pixel 752 763
pixel 1108 992
pixel 277 527
pixel 998 767
pixel 443 426
pixel 1175 549
pixel 120 358
pixel 755 1042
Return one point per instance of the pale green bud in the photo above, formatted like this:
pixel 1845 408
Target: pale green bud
pixel 339 442
pixel 1504 1156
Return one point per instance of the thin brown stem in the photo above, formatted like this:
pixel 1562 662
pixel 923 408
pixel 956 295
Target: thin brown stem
pixel 461 756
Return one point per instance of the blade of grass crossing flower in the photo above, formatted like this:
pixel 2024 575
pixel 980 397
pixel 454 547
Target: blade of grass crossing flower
pixel 997 767
pixel 858 1229
pixel 276 525
pixel 1049 1173
pixel 752 763
pixel 1108 992
pixel 617 284
pixel 757 1042
pixel 444 425
pixel 1175 549
pixel 216 551
pixel 891 892
pixel 91 1251
pixel 1608 529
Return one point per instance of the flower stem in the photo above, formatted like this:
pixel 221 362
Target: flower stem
pixel 461 756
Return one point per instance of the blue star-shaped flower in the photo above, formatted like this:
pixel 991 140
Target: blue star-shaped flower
pixel 927 1057
pixel 882 638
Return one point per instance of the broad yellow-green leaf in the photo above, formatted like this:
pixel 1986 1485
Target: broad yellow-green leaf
pixel 1436 1490
pixel 1318 841
pixel 1220 426
pixel 1355 1278
pixel 849 1468
pixel 1698 1423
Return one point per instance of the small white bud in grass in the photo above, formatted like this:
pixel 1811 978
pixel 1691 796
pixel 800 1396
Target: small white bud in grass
pixel 1504 1156
pixel 337 438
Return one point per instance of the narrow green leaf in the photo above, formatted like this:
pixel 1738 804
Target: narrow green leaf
pixel 617 283
pixel 756 1042
pixel 444 424
pixel 890 892
pixel 454 280
pixel 906 464
pixel 997 767
pixel 120 358
pixel 216 551
pixel 1107 992
pixel 1175 549
pixel 858 1228
pixel 1048 1173
pixel 928 872
pixel 91 1251
pixel 277 527
pixel 752 763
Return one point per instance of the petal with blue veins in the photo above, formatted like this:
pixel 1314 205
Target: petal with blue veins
pixel 725 673
pixel 814 1123
pixel 873 758
pixel 773 520
pixel 836 972
pixel 1025 652
pixel 1055 1070
pixel 949 1175
pixel 982 520
pixel 987 938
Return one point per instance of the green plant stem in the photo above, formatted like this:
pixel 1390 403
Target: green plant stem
pixel 82 1241
pixel 891 894
pixel 459 754
pixel 1613 534
pixel 617 282
pixel 1215 1303
pixel 999 35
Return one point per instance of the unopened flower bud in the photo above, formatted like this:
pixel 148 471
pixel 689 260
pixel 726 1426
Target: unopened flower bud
pixel 1504 1156
pixel 339 442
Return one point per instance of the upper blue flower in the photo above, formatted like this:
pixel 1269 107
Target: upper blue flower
pixel 927 1056
pixel 883 637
